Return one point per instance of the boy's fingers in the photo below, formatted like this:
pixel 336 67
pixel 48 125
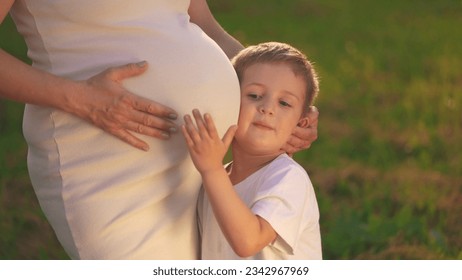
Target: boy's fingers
pixel 211 126
pixel 229 136
pixel 188 139
pixel 191 129
pixel 200 123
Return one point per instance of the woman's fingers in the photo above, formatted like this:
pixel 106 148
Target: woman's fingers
pixel 117 111
pixel 128 138
pixel 153 108
pixel 139 103
pixel 156 122
pixel 129 70
pixel 303 137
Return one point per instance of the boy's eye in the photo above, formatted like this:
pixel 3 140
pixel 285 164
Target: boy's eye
pixel 285 104
pixel 254 96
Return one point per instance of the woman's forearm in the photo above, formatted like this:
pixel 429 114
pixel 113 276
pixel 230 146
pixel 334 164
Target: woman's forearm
pixel 228 43
pixel 101 100
pixel 201 15
pixel 22 83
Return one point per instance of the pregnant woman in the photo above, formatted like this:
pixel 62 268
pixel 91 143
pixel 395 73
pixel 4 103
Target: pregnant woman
pixel 106 199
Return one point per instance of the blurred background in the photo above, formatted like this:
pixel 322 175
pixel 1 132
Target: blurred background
pixel 387 166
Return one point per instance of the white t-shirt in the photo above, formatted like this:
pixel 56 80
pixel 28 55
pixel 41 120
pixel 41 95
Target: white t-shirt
pixel 282 194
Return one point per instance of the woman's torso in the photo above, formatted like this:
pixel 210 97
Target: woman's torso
pixel 104 198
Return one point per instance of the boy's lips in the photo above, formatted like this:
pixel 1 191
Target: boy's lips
pixel 262 125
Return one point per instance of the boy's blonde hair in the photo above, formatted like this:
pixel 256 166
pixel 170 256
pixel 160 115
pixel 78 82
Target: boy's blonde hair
pixel 275 52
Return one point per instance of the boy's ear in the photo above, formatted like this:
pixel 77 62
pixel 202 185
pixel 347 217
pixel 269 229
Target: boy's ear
pixel 303 122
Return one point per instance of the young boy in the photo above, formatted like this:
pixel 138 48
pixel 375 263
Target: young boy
pixel 262 205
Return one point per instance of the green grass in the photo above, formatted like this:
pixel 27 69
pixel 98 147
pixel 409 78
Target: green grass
pixel 387 165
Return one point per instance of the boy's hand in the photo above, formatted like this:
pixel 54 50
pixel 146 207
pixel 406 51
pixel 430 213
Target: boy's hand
pixel 204 144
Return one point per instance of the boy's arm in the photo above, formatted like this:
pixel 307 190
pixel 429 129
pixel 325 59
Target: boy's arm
pixel 246 233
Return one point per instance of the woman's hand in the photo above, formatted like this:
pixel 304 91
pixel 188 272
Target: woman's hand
pixel 303 137
pixel 105 103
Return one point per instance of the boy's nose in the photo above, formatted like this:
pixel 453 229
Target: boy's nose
pixel 266 108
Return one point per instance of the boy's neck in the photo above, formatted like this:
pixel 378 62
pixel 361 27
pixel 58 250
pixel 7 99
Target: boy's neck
pixel 245 164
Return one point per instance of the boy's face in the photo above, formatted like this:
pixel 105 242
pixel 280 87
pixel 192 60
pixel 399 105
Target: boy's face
pixel 272 99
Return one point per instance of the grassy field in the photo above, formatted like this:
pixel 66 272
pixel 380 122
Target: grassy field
pixel 387 166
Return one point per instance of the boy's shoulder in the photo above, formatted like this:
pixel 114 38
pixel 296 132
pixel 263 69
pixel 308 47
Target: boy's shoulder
pixel 284 165
pixel 285 162
pixel 284 177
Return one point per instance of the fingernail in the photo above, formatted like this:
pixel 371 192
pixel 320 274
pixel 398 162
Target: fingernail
pixel 165 135
pixel 172 129
pixel 172 116
pixel 141 64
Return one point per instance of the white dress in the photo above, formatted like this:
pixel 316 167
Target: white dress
pixel 104 198
pixel 282 194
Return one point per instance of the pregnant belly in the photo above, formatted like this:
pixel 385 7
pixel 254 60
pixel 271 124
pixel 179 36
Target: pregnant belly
pixel 195 77
pixel 186 70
